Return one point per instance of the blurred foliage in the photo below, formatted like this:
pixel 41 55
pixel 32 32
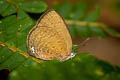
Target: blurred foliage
pixel 15 24
pixel 117 6
pixel 78 12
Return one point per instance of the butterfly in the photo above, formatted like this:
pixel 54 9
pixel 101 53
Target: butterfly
pixel 50 39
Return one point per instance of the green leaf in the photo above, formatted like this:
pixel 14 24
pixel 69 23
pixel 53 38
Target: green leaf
pixel 83 31
pixel 98 32
pixel 34 7
pixel 10 7
pixel 17 1
pixel 72 30
pixel 75 48
pixel 93 17
pixel 4 55
pixel 64 9
pixel 3 6
pixel 83 66
pixel 111 32
pixel 9 60
pixel 117 5
pixel 4 25
pixel 6 8
pixel 78 11
pixel 16 31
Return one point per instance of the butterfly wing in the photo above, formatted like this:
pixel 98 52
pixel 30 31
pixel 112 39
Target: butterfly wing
pixel 50 38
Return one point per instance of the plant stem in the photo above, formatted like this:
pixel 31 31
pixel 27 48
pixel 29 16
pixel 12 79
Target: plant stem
pixel 85 23
pixel 13 49
pixel 14 4
pixel 92 24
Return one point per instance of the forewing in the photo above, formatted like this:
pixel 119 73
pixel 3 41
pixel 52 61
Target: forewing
pixel 50 38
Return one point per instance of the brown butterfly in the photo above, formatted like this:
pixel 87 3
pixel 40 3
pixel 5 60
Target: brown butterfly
pixel 49 38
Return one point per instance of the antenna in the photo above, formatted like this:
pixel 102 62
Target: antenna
pixel 84 42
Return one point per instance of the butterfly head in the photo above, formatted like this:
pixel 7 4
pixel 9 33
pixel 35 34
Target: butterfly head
pixel 72 54
pixel 74 51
